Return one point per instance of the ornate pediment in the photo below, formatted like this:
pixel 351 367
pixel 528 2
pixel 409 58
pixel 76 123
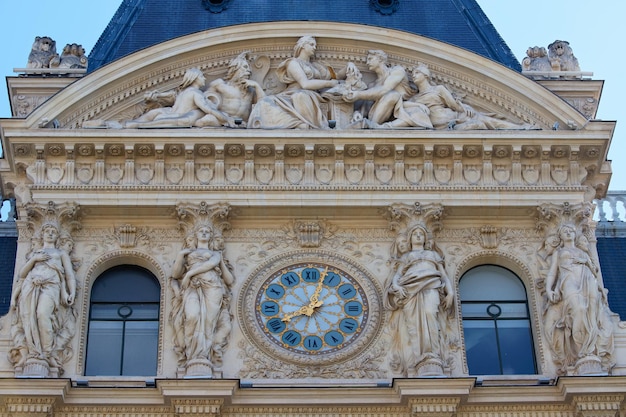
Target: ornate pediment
pixel 118 91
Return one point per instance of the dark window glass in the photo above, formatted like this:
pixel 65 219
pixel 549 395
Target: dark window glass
pixel 496 323
pixel 123 323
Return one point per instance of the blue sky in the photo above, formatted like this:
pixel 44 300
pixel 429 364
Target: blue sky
pixel 590 28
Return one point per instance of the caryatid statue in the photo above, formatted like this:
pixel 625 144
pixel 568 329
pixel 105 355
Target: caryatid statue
pixel 201 280
pixel 43 296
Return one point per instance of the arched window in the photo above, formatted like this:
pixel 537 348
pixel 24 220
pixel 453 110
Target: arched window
pixel 496 322
pixel 123 323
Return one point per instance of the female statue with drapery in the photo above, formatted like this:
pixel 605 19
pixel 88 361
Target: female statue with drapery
pixel 43 298
pixel 299 105
pixel 201 280
pixel 421 296
pixel 577 317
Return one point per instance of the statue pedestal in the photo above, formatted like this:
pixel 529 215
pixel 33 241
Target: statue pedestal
pixel 35 368
pixel 199 368
pixel 429 367
pixel 589 365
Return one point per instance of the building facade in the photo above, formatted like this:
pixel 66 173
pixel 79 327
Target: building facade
pixel 316 218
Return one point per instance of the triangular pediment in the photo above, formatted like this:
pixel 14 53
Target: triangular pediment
pixel 116 91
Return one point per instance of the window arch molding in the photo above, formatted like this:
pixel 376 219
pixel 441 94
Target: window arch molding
pixel 97 268
pixel 522 271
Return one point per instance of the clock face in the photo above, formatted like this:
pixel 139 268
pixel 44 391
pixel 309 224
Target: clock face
pixel 310 308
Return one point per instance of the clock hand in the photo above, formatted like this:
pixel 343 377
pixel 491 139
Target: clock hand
pixel 306 310
pixel 315 302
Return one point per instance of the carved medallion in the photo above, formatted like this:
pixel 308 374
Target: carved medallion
pixel 175 173
pixel 55 173
pixel 443 174
pixel 501 173
pixel 324 173
pixel 84 173
pixel 530 174
pixel 354 173
pixel 413 174
pixel 293 173
pixel 114 173
pixel 384 173
pixel 264 173
pixel 559 174
pixel 204 173
pixel 144 173
pixel 234 174
pixel 472 173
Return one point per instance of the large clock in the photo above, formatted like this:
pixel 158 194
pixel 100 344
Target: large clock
pixel 311 308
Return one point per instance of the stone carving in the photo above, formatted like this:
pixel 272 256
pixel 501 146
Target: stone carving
pixel 434 106
pixel 385 96
pixel 304 94
pixel 419 294
pixel 73 57
pixel 43 53
pixel 562 57
pixel 299 105
pixel 191 107
pixel 201 281
pixel 577 318
pixel 558 57
pixel 42 302
pixel 536 59
pixel 257 365
pixel 236 92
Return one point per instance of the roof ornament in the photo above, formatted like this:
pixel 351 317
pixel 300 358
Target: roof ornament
pixel 215 6
pixel 385 7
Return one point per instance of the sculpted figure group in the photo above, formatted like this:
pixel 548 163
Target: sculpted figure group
pixel 393 100
pixel 44 55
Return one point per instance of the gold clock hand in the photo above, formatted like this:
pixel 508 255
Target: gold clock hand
pixel 306 310
pixel 314 301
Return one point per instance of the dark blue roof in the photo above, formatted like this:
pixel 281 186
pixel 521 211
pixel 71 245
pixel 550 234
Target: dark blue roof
pixel 138 24
pixel 8 250
pixel 612 254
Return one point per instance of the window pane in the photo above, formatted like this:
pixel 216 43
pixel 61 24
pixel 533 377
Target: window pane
pixel 490 282
pixel 516 347
pixel 104 348
pixel 496 322
pixel 126 284
pixel 482 353
pixel 140 348
pixel 124 323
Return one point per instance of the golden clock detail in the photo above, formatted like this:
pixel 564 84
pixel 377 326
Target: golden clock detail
pixel 311 311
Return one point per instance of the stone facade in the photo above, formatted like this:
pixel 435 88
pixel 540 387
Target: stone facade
pixel 328 258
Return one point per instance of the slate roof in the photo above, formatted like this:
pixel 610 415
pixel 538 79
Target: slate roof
pixel 457 22
pixel 612 254
pixel 8 250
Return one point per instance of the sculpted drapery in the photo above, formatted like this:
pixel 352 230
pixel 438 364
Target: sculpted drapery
pixel 42 302
pixel 420 296
pixel 299 105
pixel 201 317
pixel 577 318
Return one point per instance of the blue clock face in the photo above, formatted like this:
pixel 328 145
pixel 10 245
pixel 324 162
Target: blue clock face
pixel 311 308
